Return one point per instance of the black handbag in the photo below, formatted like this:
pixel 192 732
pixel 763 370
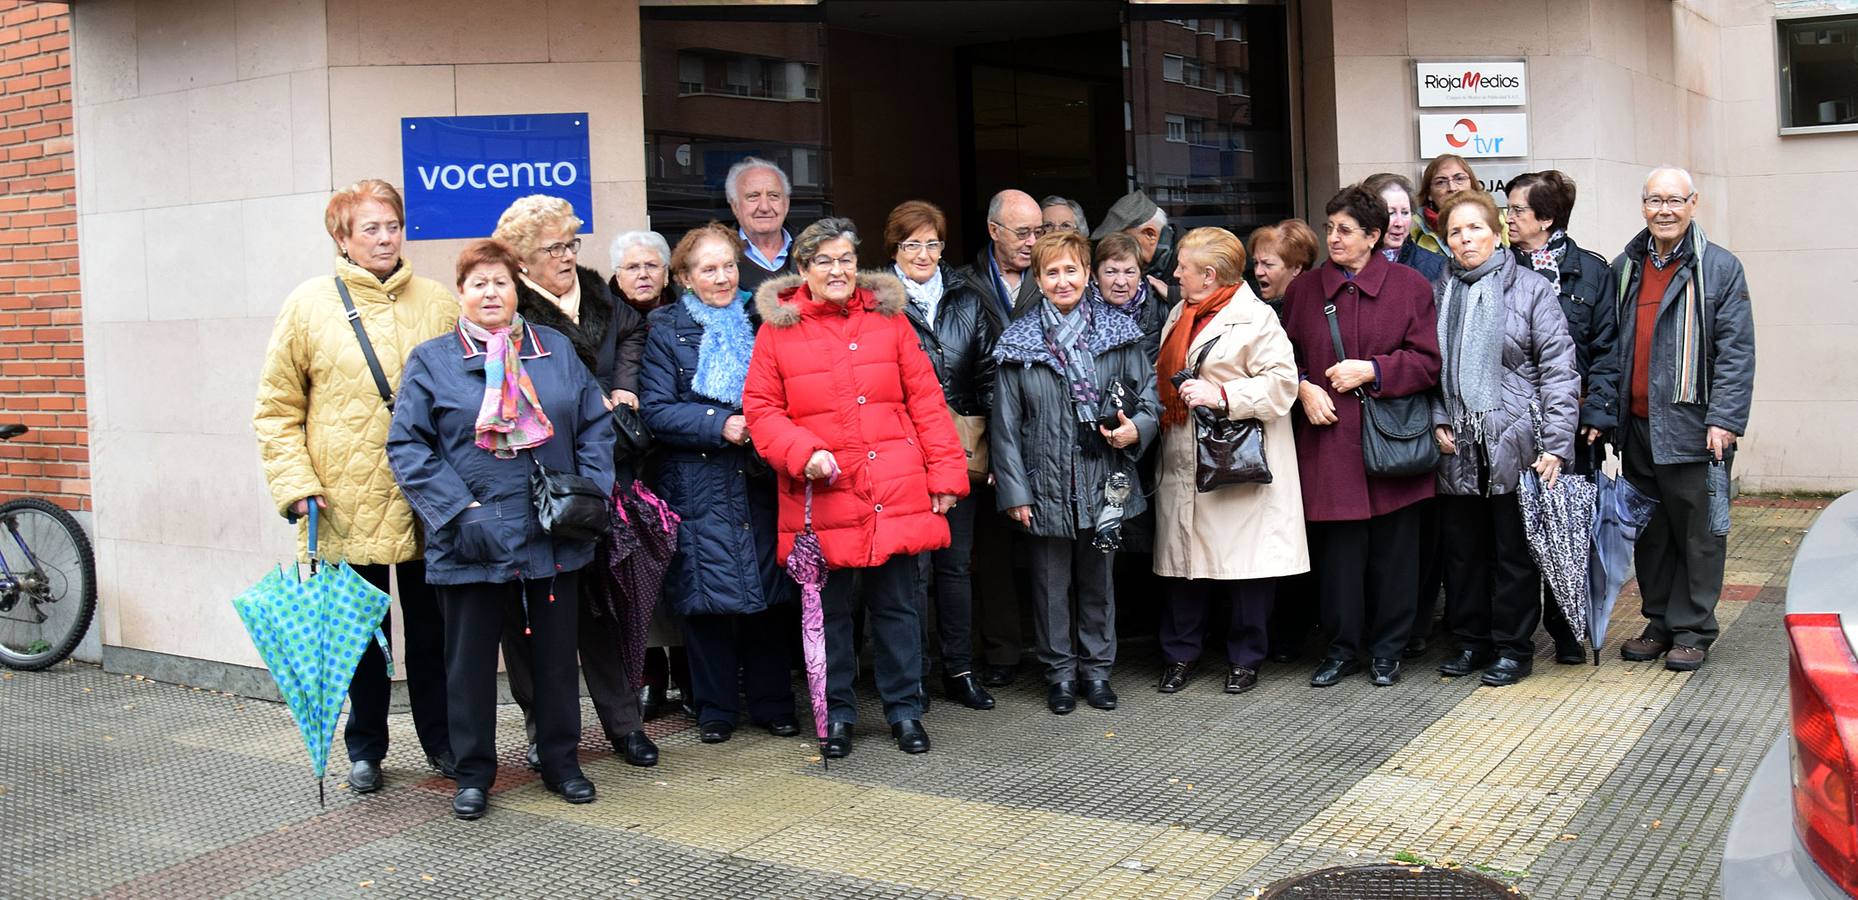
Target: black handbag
pixel 1396 432
pixel 633 437
pixel 1119 396
pixel 1226 451
pixel 569 507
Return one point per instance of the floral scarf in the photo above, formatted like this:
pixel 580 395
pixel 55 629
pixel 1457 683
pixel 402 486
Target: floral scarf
pixel 511 417
pixel 1547 258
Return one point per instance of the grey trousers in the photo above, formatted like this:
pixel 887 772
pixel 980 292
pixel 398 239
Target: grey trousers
pixel 1679 562
pixel 1077 640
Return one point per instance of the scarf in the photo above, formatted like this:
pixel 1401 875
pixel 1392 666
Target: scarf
pixel 723 354
pixel 926 296
pixel 1173 357
pixel 1547 258
pixel 1391 254
pixel 510 418
pixel 1471 318
pixel 1067 339
pixel 1132 309
pixel 570 302
pixel 1693 333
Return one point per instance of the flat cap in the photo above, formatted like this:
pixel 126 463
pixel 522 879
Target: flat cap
pixel 1132 210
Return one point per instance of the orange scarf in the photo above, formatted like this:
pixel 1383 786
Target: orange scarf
pixel 1173 356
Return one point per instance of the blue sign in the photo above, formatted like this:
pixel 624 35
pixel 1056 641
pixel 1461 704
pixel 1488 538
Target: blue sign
pixel 462 172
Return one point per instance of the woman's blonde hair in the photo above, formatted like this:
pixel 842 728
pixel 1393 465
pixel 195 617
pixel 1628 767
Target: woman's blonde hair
pixel 521 226
pixel 1218 248
pixel 1479 200
pixel 339 215
pixel 1060 243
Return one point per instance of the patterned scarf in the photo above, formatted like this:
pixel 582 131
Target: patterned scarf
pixel 1471 318
pixel 1547 258
pixel 1694 333
pixel 1173 357
pixel 510 418
pixel 1132 309
pixel 1067 339
pixel 723 354
pixel 924 296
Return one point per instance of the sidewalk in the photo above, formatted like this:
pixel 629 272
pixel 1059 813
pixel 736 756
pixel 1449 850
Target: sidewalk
pixel 1616 781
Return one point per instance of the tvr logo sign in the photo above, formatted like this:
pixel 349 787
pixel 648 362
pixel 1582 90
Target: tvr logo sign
pixel 1474 136
pixel 1464 134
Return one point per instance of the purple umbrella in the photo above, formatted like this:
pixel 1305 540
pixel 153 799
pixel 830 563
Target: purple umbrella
pixel 806 565
pixel 638 552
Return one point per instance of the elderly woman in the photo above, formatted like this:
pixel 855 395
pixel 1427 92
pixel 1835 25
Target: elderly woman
pixel 846 407
pixel 724 577
pixel 555 291
pixel 1228 545
pixel 1363 527
pixel 1397 193
pixel 1446 174
pixel 1055 461
pixel 949 319
pixel 1120 286
pixel 1509 397
pixel 479 411
pixel 1280 253
pixel 1060 214
pixel 322 417
pixel 641 265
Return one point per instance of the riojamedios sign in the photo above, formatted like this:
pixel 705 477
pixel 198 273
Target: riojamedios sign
pixel 461 172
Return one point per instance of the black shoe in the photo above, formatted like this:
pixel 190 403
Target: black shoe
pixel 1334 670
pixel 1416 646
pixel 651 702
pixel 638 749
pixel 1174 677
pixel 837 743
pixel 1061 697
pixel 1384 672
pixel 1466 662
pixel 1241 679
pixel 364 777
pixel 1570 654
pixel 782 727
pixel 1506 671
pixel 1097 693
pixel 715 732
pixel 966 690
pixel 444 764
pixel 999 676
pixel 575 790
pixel 910 736
pixel 534 758
pixel 469 803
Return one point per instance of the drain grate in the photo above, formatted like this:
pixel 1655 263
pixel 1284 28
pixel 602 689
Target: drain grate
pixel 1389 882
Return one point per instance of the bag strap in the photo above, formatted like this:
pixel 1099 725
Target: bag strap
pixel 1335 331
pixel 1205 350
pixel 367 347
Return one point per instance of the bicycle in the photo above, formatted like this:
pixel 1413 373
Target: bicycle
pixel 48 580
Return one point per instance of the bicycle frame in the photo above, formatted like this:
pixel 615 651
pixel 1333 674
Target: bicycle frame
pixel 11 585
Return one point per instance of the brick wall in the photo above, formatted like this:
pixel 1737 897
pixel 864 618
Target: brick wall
pixel 41 329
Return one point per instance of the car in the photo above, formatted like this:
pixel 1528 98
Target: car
pixel 1795 831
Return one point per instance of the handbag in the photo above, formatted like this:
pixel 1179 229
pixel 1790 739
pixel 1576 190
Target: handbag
pixel 1226 451
pixel 1396 440
pixel 972 430
pixel 569 507
pixel 634 438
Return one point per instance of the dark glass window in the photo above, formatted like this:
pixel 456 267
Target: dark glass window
pixel 1819 71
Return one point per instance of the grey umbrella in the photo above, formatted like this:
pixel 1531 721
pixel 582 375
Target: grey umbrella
pixel 1621 513
pixel 1558 521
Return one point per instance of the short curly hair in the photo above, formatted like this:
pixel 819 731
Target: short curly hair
pixel 339 215
pixel 694 238
pixel 521 226
pixel 818 234
pixel 1060 243
pixel 486 252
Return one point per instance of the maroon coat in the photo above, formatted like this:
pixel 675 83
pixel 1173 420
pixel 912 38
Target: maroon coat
pixel 1387 316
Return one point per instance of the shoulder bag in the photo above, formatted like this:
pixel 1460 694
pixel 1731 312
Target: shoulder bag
pixel 1226 451
pixel 569 507
pixel 1395 431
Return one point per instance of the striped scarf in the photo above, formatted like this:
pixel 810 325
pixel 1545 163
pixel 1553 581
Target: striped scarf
pixel 1693 332
pixel 511 417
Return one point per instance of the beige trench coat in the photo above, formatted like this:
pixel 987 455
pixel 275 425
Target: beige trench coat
pixel 1241 530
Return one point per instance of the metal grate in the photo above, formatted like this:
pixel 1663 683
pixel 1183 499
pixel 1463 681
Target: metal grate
pixel 1389 882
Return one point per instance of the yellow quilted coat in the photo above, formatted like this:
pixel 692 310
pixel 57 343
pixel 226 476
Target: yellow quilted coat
pixel 322 427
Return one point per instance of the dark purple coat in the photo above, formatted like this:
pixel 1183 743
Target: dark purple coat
pixel 1387 316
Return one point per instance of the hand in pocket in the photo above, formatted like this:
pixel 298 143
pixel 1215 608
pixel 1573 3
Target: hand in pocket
pixel 475 535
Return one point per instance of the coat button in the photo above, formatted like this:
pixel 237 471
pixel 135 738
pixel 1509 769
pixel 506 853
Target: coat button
pixel 878 508
pixel 871 455
pixel 709 412
pixel 861 398
pixel 854 346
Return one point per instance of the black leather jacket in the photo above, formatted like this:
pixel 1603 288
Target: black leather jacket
pixel 960 344
pixel 1586 291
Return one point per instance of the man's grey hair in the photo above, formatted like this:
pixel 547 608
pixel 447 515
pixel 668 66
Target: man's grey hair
pixel 820 232
pixel 997 205
pixel 1077 211
pixel 629 239
pixel 1159 219
pixel 1690 184
pixel 747 164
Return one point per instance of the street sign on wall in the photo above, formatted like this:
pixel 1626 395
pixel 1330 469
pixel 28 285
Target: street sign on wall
pixel 1474 135
pixel 1472 83
pixel 462 172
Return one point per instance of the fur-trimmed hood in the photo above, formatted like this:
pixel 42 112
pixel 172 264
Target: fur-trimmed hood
pixel 777 298
pixel 1024 341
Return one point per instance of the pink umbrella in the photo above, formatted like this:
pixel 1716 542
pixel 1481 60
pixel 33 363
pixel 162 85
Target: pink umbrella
pixel 806 565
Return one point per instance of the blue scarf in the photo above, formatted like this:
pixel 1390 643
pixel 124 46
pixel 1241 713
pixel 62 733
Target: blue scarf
pixel 723 354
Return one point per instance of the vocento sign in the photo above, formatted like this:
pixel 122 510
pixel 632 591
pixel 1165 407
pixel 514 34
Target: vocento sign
pixel 1471 83
pixel 462 172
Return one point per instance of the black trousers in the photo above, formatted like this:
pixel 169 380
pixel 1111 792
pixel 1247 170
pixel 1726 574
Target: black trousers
pixel 1678 560
pixel 1493 590
pixel 889 592
pixel 953 568
pixel 1431 567
pixel 477 618
pixel 733 654
pixel 997 634
pixel 370 693
pixel 1184 618
pixel 616 699
pixel 1365 576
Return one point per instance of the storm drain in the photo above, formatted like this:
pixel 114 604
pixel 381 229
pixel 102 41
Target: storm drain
pixel 1389 882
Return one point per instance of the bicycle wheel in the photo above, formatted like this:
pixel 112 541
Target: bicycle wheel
pixel 48 584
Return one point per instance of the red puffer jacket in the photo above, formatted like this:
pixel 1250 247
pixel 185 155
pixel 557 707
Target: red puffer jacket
pixel 854 380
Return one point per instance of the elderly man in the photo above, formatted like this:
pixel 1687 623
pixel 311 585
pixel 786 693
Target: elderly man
pixel 1686 355
pixel 1013 223
pixel 758 193
pixel 1140 218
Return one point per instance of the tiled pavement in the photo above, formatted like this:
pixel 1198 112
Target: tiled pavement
pixel 1616 781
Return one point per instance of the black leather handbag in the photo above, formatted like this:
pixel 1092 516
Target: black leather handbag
pixel 1396 432
pixel 569 507
pixel 1226 451
pixel 633 439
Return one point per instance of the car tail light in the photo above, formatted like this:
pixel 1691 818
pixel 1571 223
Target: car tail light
pixel 1822 683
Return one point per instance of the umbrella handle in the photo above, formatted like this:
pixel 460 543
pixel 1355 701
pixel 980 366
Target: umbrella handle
pixel 312 540
pixel 809 504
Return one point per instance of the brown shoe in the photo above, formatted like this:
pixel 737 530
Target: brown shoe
pixel 1240 680
pixel 1644 648
pixel 1685 659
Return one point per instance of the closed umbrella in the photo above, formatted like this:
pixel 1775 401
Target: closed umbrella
pixel 310 634
pixel 1621 513
pixel 806 565
pixel 1558 523
pixel 638 552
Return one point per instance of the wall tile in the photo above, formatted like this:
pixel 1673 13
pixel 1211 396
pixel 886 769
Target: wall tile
pixel 1373 125
pixel 1370 28
pixel 1815 210
pixel 1786 293
pixel 309 130
pixel 195 261
pixel 469 31
pixel 366 106
pixel 583 32
pixel 185 44
pixel 1562 111
pixel 224 395
pixel 1698 62
pixel 192 616
pixel 133 153
pixel 344 32
pixel 1749 69
pixel 1663 19
pixel 151 364
pixel 285 245
pixel 278 36
pixel 1615 124
pixel 1656 110
pixel 103 57
pixel 114 266
pixel 239 140
pixel 1619 33
pixel 1803 370
pixel 1452 28
pixel 618 206
pixel 1570 27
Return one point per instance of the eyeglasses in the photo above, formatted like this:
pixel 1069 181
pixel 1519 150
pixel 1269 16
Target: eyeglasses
pixel 648 268
pixel 1343 230
pixel 914 247
pixel 557 251
pixel 1044 230
pixel 828 264
pixel 1020 234
pixel 1460 179
pixel 1663 203
pixel 1517 209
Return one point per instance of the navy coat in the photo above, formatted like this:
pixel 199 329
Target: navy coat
pixel 725 560
pixel 433 451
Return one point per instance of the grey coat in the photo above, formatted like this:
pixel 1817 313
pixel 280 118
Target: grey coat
pixel 1538 373
pixel 1039 459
